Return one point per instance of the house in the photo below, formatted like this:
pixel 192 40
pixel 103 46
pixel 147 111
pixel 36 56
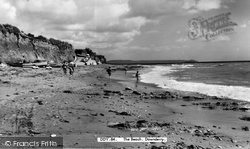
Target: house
pixel 82 58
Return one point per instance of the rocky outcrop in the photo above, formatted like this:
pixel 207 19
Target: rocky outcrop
pixel 17 47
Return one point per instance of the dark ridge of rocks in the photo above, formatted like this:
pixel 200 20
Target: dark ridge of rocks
pixel 93 94
pixel 245 118
pixel 192 98
pixel 138 125
pixel 121 113
pixel 235 106
pixel 5 82
pixel 179 145
pixel 109 92
pixel 199 131
pixel 67 91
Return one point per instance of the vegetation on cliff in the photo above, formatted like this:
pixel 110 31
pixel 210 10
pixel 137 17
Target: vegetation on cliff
pixel 92 54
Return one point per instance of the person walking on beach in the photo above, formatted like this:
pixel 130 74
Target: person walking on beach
pixel 125 70
pixel 137 75
pixel 109 72
pixel 71 68
pixel 64 67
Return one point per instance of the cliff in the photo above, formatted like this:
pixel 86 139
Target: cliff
pixel 18 47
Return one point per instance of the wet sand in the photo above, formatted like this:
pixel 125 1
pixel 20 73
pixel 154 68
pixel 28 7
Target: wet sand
pixel 82 107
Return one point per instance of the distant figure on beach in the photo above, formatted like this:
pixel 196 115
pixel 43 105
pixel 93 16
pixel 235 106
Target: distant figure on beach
pixel 35 67
pixel 137 75
pixel 71 68
pixel 64 67
pixel 48 66
pixel 125 69
pixel 109 72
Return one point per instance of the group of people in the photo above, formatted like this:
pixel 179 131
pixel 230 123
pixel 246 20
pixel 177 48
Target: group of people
pixel 137 75
pixel 69 66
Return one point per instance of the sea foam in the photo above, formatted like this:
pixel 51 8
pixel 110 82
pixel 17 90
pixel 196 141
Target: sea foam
pixel 158 75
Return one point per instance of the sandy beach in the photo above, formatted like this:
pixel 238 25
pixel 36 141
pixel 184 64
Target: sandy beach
pixel 85 106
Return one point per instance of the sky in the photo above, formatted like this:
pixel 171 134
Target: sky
pixel 134 29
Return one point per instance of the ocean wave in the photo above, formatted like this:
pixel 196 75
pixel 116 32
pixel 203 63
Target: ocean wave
pixel 182 65
pixel 158 76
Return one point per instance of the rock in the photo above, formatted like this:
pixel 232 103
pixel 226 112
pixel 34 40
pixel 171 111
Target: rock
pixel 94 114
pixel 125 125
pixel 67 91
pixel 101 114
pixel 218 138
pixel 141 123
pixel 65 121
pixel 33 132
pixel 6 82
pixel 152 133
pixel 118 92
pixel 120 113
pixel 40 102
pixel 244 128
pixel 181 145
pixel 128 89
pixel 245 118
pixel 234 141
pixel 136 93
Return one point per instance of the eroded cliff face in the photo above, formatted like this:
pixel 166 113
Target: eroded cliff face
pixel 16 47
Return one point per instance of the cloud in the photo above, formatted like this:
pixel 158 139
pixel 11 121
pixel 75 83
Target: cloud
pixel 7 11
pixel 194 6
pixel 152 9
pixel 82 22
pixel 244 25
pixel 221 38
pixel 208 4
pixel 152 32
pixel 182 39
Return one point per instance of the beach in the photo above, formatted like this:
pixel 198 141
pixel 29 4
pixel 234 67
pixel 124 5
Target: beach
pixel 85 106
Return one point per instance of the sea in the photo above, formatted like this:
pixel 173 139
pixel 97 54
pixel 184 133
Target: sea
pixel 225 80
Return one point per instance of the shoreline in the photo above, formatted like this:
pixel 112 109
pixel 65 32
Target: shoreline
pixel 87 105
pixel 224 91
